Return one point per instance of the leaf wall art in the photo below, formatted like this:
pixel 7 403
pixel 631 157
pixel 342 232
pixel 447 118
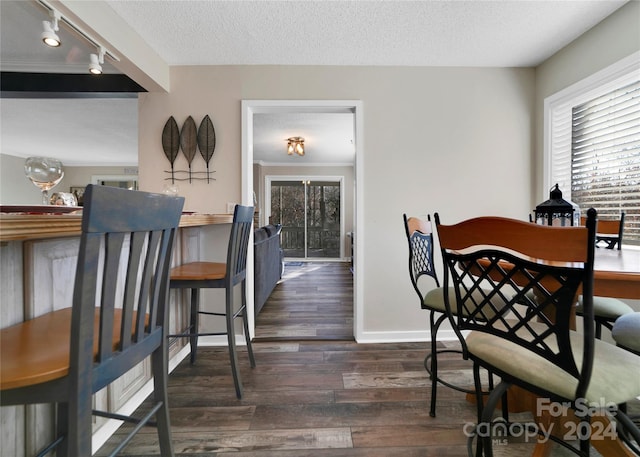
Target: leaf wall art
pixel 206 141
pixel 189 139
pixel 171 142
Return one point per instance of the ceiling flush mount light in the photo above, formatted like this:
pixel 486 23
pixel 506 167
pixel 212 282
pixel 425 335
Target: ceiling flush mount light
pixel 49 36
pixel 95 67
pixel 295 144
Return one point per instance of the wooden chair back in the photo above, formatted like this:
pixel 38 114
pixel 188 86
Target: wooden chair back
pixel 519 282
pixel 123 269
pixel 239 244
pixel 609 231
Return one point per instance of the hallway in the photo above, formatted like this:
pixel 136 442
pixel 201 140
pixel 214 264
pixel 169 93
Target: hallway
pixel 312 301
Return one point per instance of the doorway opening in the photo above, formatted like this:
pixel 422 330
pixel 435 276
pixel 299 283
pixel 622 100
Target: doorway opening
pixel 253 107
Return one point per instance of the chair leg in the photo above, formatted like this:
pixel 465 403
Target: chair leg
pixel 78 423
pixel 62 424
pixel 585 444
pixel 487 415
pixel 245 322
pixel 160 369
pixel 628 429
pixel 598 330
pixel 479 404
pixel 194 323
pixel 434 364
pixel 477 382
pixel 231 338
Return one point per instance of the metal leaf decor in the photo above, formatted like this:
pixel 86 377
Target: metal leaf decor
pixel 171 142
pixel 188 141
pixel 206 140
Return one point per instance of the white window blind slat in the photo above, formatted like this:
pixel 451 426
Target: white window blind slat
pixel 605 156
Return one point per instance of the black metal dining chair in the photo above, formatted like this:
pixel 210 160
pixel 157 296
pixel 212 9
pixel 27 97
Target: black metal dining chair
pixel 534 273
pixel 226 275
pixel 607 309
pixel 421 266
pixel 117 319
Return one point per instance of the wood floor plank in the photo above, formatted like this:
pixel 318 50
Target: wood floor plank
pixel 199 442
pixel 339 414
pixel 396 435
pixel 382 379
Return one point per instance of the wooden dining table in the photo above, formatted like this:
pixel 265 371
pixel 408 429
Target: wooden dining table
pixel 616 274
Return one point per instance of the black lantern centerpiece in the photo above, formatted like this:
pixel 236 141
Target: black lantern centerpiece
pixel 556 211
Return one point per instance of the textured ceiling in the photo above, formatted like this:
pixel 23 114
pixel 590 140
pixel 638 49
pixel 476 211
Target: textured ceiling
pixel 328 137
pixel 512 33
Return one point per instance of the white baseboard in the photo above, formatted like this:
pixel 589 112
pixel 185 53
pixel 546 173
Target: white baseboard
pixel 404 337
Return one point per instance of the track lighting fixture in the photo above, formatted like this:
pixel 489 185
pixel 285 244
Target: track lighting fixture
pixel 95 67
pixel 49 36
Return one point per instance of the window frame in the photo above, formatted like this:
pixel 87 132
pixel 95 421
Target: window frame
pixel 269 179
pixel 558 117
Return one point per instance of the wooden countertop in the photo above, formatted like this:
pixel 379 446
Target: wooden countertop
pixel 20 227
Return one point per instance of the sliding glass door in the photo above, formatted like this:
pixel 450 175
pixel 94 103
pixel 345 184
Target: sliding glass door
pixel 309 211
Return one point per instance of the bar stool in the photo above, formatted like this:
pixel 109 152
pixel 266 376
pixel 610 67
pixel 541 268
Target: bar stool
pixel 216 275
pixel 117 319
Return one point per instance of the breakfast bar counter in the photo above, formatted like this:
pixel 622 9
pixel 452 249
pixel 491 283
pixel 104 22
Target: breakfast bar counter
pixel 38 257
pixel 22 227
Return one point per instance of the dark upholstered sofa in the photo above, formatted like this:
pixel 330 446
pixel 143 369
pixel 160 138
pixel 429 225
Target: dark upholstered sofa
pixel 267 263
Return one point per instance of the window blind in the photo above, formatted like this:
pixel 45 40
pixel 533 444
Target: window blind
pixel 605 157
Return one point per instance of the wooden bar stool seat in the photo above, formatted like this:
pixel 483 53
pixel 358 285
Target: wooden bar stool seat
pixel 199 271
pixel 37 350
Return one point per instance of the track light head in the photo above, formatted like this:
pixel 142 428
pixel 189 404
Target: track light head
pixel 49 35
pixel 94 66
pixel 95 61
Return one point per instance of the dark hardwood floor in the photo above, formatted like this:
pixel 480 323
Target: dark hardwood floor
pixel 312 301
pixel 324 398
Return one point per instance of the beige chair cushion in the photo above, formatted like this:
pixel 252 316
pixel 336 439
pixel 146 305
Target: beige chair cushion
pixel 435 299
pixel 606 307
pixel 615 378
pixel 626 331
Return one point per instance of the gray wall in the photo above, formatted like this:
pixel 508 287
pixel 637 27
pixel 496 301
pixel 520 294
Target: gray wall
pixel 454 140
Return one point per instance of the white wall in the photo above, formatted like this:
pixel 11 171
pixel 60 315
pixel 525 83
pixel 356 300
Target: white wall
pixel 454 140
pixel 16 189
